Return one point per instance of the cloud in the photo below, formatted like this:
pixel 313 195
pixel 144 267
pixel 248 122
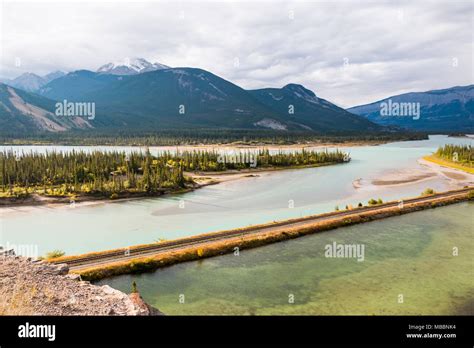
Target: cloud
pixel 347 52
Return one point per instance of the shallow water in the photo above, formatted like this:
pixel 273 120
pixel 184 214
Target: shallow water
pixel 275 196
pixel 410 255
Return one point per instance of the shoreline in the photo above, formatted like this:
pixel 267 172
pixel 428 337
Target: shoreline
pixel 214 178
pixel 451 174
pixel 234 145
pixel 427 171
pixel 37 200
pixel 448 164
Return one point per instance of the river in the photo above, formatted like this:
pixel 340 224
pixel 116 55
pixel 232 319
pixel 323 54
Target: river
pixel 273 196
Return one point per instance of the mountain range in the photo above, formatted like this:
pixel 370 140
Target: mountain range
pixel 443 110
pixel 153 96
pixel 190 97
pixel 138 95
pixel 310 112
pixel 129 66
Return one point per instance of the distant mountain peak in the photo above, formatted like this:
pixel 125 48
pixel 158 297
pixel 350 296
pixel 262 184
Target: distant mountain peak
pixel 28 82
pixel 31 82
pixel 130 66
pixel 28 74
pixel 442 110
pixel 302 92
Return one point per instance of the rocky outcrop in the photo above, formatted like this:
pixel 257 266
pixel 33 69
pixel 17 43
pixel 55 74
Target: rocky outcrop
pixel 31 287
pixel 143 307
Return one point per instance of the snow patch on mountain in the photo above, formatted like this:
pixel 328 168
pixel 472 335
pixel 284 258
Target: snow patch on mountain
pixel 130 66
pixel 274 97
pixel 303 93
pixel 270 123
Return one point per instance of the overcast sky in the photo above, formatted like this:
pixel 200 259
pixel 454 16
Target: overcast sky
pixel 349 52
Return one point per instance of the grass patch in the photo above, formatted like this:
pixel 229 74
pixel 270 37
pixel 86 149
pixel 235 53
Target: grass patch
pixel 450 164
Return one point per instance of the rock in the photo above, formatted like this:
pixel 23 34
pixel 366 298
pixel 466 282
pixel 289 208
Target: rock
pixel 33 288
pixel 142 306
pixel 73 276
pixel 62 269
pixel 4 252
pixel 108 290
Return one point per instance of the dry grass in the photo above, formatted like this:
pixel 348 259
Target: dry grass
pixel 449 164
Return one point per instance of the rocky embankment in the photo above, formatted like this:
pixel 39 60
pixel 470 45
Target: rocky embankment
pixel 30 287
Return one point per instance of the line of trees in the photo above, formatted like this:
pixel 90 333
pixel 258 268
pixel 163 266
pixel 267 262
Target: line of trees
pixel 215 161
pixel 200 136
pixel 60 173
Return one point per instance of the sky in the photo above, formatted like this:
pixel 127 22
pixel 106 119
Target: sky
pixel 349 52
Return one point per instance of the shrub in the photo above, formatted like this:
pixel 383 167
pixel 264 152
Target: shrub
pixel 54 254
pixel 360 205
pixel 427 192
pixel 372 201
pixel 114 196
pixel 470 194
pixel 336 208
pixel 379 201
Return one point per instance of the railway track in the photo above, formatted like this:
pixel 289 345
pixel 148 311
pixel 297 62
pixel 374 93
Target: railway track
pixel 153 249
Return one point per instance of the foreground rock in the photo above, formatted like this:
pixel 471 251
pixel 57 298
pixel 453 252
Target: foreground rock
pixel 37 288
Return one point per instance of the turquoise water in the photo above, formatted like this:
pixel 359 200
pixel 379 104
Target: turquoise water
pixel 227 205
pixel 410 255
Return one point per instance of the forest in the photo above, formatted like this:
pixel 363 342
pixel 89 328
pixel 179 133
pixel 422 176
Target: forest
pixel 97 172
pixel 200 136
pixel 110 173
